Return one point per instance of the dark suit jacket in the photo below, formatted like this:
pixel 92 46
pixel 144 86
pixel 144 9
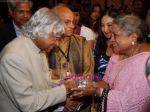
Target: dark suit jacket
pixel 7 33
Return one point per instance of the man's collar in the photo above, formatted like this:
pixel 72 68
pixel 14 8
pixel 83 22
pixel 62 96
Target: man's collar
pixel 17 29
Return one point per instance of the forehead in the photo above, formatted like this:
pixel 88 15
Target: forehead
pixel 68 16
pixel 96 8
pixel 23 6
pixel 65 13
pixel 107 19
pixel 115 28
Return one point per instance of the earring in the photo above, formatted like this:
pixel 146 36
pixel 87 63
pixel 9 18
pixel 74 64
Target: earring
pixel 132 42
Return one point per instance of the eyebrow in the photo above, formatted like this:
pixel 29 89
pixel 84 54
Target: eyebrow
pixel 107 23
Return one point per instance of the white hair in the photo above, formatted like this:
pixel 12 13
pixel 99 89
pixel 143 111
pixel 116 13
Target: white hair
pixel 44 21
pixel 12 3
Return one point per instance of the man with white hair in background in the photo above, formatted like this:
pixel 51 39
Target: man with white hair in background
pixel 25 79
pixel 20 12
pixel 73 57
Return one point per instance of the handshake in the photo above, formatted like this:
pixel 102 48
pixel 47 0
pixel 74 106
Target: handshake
pixel 76 97
pixel 80 88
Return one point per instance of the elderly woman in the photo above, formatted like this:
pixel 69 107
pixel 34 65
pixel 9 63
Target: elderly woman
pixel 125 87
pixel 25 81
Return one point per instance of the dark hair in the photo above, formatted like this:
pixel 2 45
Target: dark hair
pixel 133 2
pixel 112 12
pixel 95 5
pixel 101 43
pixel 77 9
pixel 145 12
pixel 87 21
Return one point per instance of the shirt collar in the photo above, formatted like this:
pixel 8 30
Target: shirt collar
pixel 17 29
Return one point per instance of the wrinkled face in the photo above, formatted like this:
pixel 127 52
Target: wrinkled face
pixel 121 42
pixel 95 14
pixel 106 24
pixel 68 18
pixel 22 13
pixel 47 43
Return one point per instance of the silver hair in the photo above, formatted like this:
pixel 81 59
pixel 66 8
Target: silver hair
pixel 12 3
pixel 42 22
pixel 132 24
pixel 129 23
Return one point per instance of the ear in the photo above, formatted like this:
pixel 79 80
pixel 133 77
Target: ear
pixel 134 37
pixel 10 12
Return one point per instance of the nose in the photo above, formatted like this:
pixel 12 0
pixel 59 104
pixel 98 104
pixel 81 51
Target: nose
pixel 72 25
pixel 105 29
pixel 57 42
pixel 26 14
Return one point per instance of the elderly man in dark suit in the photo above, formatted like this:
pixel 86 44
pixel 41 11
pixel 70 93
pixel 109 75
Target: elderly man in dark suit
pixel 20 11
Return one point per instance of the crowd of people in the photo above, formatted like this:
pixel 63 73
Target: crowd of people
pixel 64 59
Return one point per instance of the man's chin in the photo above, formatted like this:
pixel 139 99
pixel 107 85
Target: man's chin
pixel 69 34
pixel 49 49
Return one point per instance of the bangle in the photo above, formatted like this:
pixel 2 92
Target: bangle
pixel 94 93
pixel 98 92
pixel 101 91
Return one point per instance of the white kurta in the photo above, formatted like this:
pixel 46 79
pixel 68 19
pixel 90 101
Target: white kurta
pixel 25 84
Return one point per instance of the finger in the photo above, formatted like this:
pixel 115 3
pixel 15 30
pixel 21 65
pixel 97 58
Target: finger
pixel 79 94
pixel 76 89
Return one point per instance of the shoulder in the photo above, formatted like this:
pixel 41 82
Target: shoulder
pixel 16 50
pixel 14 45
pixel 144 48
pixel 79 38
pixel 88 33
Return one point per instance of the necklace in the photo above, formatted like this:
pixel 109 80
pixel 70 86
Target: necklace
pixel 64 68
pixel 63 53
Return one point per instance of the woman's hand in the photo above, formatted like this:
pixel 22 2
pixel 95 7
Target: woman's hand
pixel 89 90
pixel 69 85
pixel 85 91
pixel 102 84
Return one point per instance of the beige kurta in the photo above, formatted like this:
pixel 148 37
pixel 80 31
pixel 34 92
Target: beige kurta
pixel 25 84
pixel 80 57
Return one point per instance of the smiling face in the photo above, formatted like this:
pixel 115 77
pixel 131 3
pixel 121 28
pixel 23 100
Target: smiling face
pixel 68 17
pixel 121 42
pixel 106 24
pixel 69 24
pixel 21 13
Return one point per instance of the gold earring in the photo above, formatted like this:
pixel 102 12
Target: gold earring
pixel 132 42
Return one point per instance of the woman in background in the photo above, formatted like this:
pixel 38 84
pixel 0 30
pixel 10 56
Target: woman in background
pixel 80 28
pixel 103 49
